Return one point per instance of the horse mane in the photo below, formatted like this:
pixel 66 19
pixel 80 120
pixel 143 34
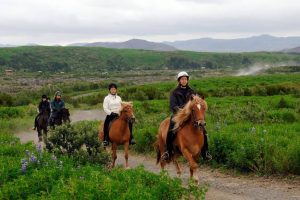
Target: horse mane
pixel 183 114
pixel 125 104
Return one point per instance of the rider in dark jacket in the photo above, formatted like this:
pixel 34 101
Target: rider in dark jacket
pixel 56 105
pixel 179 97
pixel 44 106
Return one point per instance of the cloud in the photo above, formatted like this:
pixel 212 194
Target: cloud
pixel 63 21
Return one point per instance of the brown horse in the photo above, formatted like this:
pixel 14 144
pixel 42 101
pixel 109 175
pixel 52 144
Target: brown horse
pixel 189 126
pixel 119 132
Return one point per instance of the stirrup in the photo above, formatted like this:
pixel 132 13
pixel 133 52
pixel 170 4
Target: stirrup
pixel 105 143
pixel 207 157
pixel 132 142
pixel 165 156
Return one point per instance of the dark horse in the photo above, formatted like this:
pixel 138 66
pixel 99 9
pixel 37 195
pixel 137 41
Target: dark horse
pixel 62 116
pixel 42 123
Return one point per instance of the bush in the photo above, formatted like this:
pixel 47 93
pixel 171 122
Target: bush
pixel 79 141
pixel 5 99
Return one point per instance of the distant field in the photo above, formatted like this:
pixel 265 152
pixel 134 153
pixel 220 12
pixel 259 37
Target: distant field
pixel 97 59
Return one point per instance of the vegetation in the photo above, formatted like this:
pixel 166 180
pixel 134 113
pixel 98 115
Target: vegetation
pixel 28 172
pixel 95 59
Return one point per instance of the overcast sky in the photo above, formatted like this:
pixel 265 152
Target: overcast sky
pixel 69 21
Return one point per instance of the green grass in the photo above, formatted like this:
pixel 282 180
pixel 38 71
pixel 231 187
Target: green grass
pixel 28 173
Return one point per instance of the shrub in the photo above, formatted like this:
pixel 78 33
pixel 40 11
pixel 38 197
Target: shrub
pixel 79 141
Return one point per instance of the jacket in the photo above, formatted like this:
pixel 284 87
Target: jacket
pixel 57 105
pixel 112 103
pixel 178 99
pixel 44 106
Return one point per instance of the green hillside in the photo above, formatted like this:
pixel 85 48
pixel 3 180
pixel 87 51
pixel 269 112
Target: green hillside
pixel 83 59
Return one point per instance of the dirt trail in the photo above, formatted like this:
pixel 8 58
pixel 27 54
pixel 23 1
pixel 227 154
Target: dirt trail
pixel 77 115
pixel 221 186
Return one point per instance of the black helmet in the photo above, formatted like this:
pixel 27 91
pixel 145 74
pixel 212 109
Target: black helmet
pixel 112 85
pixel 44 96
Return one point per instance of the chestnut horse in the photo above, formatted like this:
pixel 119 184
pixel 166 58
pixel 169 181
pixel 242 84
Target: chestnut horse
pixel 189 126
pixel 119 132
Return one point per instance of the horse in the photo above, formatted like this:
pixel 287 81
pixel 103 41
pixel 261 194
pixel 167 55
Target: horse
pixel 62 116
pixel 119 133
pixel 42 123
pixel 189 125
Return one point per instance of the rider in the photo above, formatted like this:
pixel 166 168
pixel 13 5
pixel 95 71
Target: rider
pixel 179 97
pixel 44 106
pixel 112 106
pixel 56 105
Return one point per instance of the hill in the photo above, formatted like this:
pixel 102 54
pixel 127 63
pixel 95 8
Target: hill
pixel 250 44
pixel 98 59
pixel 293 50
pixel 130 44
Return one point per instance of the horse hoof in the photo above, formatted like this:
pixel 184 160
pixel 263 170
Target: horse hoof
pixel 127 167
pixel 196 179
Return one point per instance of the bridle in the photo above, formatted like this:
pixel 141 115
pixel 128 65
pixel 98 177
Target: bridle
pixel 127 118
pixel 198 123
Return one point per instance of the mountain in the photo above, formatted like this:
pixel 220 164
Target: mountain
pixel 251 44
pixel 292 50
pixel 7 45
pixel 130 44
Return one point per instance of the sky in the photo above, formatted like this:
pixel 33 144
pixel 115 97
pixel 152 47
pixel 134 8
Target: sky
pixel 61 22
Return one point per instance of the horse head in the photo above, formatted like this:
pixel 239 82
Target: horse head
pixel 198 107
pixel 194 110
pixel 127 111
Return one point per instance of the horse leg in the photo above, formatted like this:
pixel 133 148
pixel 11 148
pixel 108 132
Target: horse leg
pixel 114 153
pixel 126 146
pixel 39 130
pixel 175 161
pixel 192 163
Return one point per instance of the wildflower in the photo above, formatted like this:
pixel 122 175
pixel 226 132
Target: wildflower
pixel 53 157
pixel 39 148
pixel 253 129
pixel 23 160
pixel 24 166
pixel 33 158
pixel 27 152
pixel 264 131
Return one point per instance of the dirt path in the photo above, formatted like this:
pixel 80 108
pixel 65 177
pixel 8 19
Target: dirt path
pixel 221 186
pixel 77 115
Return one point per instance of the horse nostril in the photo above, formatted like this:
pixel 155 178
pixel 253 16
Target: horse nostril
pixel 204 123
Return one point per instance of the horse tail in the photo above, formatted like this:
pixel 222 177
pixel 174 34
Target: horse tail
pixel 158 153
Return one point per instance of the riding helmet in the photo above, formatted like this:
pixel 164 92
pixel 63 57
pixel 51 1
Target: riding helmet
pixel 182 74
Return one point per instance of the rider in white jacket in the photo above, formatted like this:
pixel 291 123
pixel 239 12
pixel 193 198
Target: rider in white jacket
pixel 112 106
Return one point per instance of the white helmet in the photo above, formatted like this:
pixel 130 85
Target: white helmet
pixel 181 74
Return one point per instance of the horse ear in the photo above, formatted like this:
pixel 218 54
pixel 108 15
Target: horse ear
pixel 192 97
pixel 202 97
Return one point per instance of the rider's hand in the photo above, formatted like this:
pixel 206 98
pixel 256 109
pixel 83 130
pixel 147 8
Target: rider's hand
pixel 114 114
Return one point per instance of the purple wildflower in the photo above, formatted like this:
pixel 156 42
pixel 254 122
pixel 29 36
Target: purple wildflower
pixel 33 158
pixel 39 148
pixel 24 166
